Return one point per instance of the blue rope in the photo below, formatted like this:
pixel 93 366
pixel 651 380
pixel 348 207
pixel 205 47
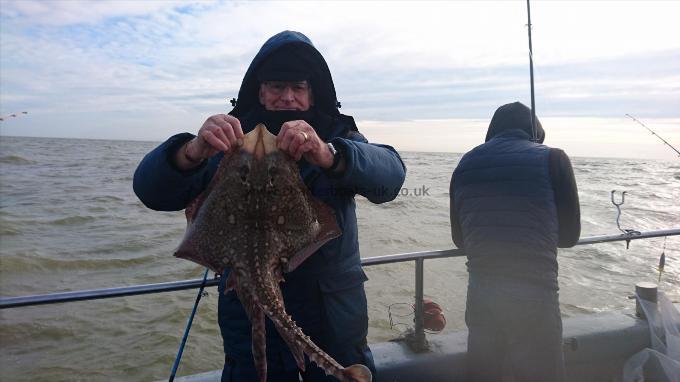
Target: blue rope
pixel 186 330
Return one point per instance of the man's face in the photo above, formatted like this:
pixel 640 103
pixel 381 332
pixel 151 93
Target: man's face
pixel 286 95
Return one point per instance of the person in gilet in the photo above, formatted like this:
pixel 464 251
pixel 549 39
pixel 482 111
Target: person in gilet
pixel 514 201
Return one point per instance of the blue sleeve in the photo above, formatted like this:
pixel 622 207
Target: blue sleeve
pixel 566 198
pixel 163 187
pixel 456 229
pixel 372 170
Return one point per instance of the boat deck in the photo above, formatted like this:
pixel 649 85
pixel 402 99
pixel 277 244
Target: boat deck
pixel 595 348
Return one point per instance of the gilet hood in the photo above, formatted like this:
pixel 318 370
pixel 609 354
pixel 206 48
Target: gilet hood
pixel 514 116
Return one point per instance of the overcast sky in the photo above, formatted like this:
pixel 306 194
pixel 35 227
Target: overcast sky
pixel 423 76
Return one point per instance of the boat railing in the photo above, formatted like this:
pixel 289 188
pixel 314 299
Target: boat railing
pixel 417 340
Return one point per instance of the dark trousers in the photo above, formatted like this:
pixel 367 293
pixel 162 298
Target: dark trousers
pixel 336 319
pixel 511 335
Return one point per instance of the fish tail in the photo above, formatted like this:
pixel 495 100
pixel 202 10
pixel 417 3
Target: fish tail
pixel 293 335
pixel 259 345
pixel 354 373
pixel 357 373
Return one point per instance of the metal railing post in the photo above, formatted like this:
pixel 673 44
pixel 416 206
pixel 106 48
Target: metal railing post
pixel 420 340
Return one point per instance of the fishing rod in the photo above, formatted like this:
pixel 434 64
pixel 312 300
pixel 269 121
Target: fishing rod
pixel 13 115
pixel 653 133
pixel 95 294
pixel 531 75
pixel 178 358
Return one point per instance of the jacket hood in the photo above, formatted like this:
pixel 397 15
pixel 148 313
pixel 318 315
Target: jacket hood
pixel 514 116
pixel 298 48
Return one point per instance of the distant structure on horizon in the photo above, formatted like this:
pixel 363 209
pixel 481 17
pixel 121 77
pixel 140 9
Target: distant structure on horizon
pixel 4 117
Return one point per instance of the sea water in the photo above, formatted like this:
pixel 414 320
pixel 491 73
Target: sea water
pixel 69 220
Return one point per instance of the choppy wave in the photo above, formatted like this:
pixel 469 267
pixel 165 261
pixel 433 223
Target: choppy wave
pixel 15 160
pixel 73 220
pixel 107 199
pixel 23 263
pixel 8 228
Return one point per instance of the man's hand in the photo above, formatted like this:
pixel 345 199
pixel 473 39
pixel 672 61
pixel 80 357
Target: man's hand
pixel 298 139
pixel 220 132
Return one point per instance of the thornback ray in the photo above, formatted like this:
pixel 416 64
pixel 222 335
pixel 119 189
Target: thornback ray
pixel 258 219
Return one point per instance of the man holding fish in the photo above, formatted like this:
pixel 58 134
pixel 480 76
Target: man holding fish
pixel 288 88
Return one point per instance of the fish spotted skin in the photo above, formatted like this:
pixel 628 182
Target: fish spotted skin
pixel 258 219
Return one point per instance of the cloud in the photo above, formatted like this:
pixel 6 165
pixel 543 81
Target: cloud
pixel 578 136
pixel 175 63
pixel 61 13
